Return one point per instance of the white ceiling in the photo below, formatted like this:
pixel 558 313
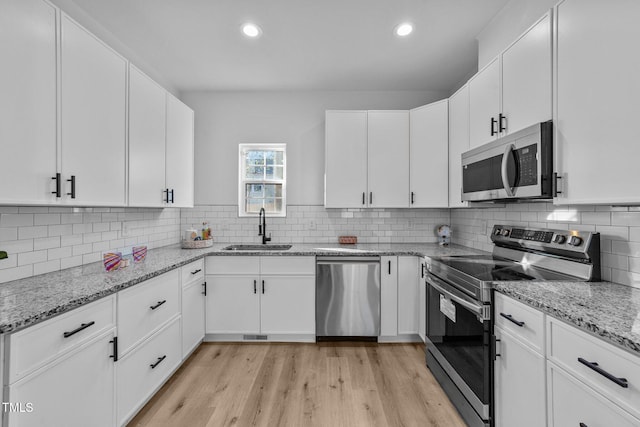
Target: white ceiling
pixel 306 44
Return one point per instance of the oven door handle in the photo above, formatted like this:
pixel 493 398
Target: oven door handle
pixel 478 309
pixel 503 169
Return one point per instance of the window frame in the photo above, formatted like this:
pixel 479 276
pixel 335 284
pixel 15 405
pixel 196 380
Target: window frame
pixel 242 181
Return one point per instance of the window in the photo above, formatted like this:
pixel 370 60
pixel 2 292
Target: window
pixel 262 179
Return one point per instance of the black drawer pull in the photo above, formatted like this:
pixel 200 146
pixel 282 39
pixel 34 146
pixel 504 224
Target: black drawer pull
pixel 254 287
pixel 363 198
pixel 58 181
pixel 160 359
pixel 493 129
pixel 389 266
pixel 263 286
pixel 73 187
pixel 171 196
pixel 197 271
pixel 114 341
pixel 204 292
pixel 78 329
pixel 511 319
pixel 153 307
pixel 622 382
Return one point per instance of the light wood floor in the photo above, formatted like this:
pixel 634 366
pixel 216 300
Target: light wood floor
pixel 325 384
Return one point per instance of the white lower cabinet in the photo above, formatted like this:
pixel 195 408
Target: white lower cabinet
pixel 75 390
pixel 399 298
pixel 408 301
pixel 145 369
pixel 572 403
pixel 272 296
pixel 519 383
pixel 388 296
pixel 422 311
pixel 193 297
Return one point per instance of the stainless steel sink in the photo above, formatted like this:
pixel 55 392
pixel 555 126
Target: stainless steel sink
pixel 257 248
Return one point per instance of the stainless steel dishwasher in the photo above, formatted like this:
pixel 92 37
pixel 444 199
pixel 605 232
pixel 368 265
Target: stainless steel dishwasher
pixel 348 297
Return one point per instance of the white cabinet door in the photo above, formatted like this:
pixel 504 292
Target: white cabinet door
pixel 458 143
pixel 76 390
pixel 526 78
pixel 192 317
pixel 388 159
pixel 28 102
pixel 288 305
pixel 574 404
pixel 422 295
pixel 233 305
pixel 484 104
pixel 408 301
pixel 147 121
pixel 179 161
pixel 519 384
pixel 429 145
pixel 345 159
pixel 93 119
pixel 597 101
pixel 389 296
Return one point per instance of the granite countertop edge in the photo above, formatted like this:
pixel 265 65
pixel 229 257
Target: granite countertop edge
pixel 170 258
pixel 577 318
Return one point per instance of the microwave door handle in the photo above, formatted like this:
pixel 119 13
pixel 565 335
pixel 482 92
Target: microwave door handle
pixel 503 171
pixel 475 308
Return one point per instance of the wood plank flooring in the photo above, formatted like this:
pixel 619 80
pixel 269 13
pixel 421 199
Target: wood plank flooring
pixel 324 384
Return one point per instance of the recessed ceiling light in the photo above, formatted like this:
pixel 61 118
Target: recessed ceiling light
pixel 403 29
pixel 251 30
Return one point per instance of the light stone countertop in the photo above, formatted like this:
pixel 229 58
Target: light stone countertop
pixel 28 301
pixel 607 310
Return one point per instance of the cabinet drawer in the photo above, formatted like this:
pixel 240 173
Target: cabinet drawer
pixel 567 344
pixel 575 404
pixel 192 272
pixel 37 345
pixel 144 308
pixel 141 372
pixel 532 330
pixel 294 265
pixel 233 264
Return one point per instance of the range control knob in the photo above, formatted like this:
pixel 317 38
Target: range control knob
pixel 560 239
pixel 505 232
pixel 575 241
pixel 497 232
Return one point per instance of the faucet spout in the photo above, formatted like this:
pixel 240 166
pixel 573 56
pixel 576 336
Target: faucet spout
pixel 262 227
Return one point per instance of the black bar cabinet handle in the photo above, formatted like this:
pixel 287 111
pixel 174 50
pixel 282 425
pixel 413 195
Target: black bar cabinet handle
pixel 114 356
pixel 412 197
pixel 389 266
pixel 364 200
pixel 165 198
pixel 78 329
pixel 255 283
pixel 371 197
pixel 511 319
pixel 493 123
pixel 73 187
pixel 58 180
pixel 153 307
pixel 160 359
pixel 622 382
pixel 172 196
pixel 263 286
pixel 501 127
pixel 204 292
pixel 197 271
pixel 422 271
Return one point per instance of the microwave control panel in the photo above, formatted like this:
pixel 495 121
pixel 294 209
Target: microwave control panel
pixel 527 165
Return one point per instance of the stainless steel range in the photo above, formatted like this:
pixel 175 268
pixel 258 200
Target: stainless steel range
pixel 460 342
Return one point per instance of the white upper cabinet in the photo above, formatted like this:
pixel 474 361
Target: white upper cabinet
pixel 514 90
pixel 597 101
pixel 147 133
pixel 388 156
pixel 345 159
pixel 93 119
pixel 28 102
pixel 429 141
pixel 526 78
pixel 179 151
pixel 458 143
pixel 484 104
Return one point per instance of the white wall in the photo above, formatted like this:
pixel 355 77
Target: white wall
pixel 507 25
pixel 226 119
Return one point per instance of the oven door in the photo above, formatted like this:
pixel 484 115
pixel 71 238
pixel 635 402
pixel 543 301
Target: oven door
pixel 459 349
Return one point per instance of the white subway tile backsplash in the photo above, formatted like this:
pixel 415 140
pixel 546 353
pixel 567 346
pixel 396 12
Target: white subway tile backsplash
pixel 32 232
pixel 8 233
pixel 16 220
pixel 625 218
pixel 46 243
pixel 46 267
pixel 32 257
pixel 46 219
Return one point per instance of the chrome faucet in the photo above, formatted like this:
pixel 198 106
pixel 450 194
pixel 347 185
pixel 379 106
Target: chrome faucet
pixel 262 227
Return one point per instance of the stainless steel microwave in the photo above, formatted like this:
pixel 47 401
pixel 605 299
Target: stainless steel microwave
pixel 517 166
